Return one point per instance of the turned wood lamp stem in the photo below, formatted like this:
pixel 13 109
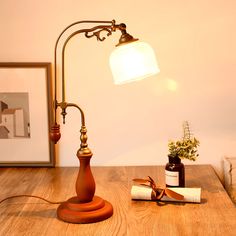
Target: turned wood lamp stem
pixel 85 207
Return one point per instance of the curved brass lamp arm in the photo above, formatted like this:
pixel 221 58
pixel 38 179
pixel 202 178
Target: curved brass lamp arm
pixel 55 130
pixel 100 28
pixel 64 105
pixel 55 58
pixel 109 27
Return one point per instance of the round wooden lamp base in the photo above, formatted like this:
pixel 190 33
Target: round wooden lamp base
pixel 73 211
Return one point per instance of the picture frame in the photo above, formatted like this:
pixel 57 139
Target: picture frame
pixel 26 115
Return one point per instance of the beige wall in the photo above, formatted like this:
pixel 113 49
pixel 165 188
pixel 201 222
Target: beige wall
pixel 131 124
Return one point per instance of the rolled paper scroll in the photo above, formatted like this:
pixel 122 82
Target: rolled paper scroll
pixel 148 190
pixel 139 192
pixel 190 195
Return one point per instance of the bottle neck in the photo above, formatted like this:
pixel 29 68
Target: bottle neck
pixel 174 159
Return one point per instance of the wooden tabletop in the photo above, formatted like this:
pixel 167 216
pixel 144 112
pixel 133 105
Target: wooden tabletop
pixel 215 215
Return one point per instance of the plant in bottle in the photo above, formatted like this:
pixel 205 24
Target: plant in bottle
pixel 185 148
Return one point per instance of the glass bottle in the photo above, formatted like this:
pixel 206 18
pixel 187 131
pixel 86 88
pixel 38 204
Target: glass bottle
pixel 174 172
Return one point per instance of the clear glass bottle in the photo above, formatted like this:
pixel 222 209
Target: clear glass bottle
pixel 174 172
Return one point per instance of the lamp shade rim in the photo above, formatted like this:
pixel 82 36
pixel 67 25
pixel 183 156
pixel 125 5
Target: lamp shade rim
pixel 116 82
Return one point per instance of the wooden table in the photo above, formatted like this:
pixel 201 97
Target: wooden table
pixel 216 215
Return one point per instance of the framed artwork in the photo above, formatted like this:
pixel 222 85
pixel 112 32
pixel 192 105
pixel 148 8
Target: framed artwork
pixel 25 115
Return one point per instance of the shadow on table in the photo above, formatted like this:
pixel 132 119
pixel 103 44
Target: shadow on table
pixel 164 203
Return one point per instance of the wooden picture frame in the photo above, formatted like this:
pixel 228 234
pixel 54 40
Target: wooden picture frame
pixel 26 115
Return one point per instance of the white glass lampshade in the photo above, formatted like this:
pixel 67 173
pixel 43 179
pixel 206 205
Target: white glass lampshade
pixel 133 61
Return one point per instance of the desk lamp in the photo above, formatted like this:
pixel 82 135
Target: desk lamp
pixel 131 60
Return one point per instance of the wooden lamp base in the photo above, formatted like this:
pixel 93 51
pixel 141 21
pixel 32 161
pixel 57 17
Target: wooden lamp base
pixel 85 207
pixel 73 211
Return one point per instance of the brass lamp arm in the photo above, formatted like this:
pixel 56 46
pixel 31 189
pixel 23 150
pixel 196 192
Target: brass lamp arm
pixel 95 32
pixel 107 26
pixel 83 130
pixel 55 130
pixel 55 59
pixel 64 105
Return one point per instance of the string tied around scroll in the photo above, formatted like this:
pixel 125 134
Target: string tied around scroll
pixel 158 192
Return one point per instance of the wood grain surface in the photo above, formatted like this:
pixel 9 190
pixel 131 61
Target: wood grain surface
pixel 216 215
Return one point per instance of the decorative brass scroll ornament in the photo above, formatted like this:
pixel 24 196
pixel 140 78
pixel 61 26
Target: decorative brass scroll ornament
pixel 97 34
